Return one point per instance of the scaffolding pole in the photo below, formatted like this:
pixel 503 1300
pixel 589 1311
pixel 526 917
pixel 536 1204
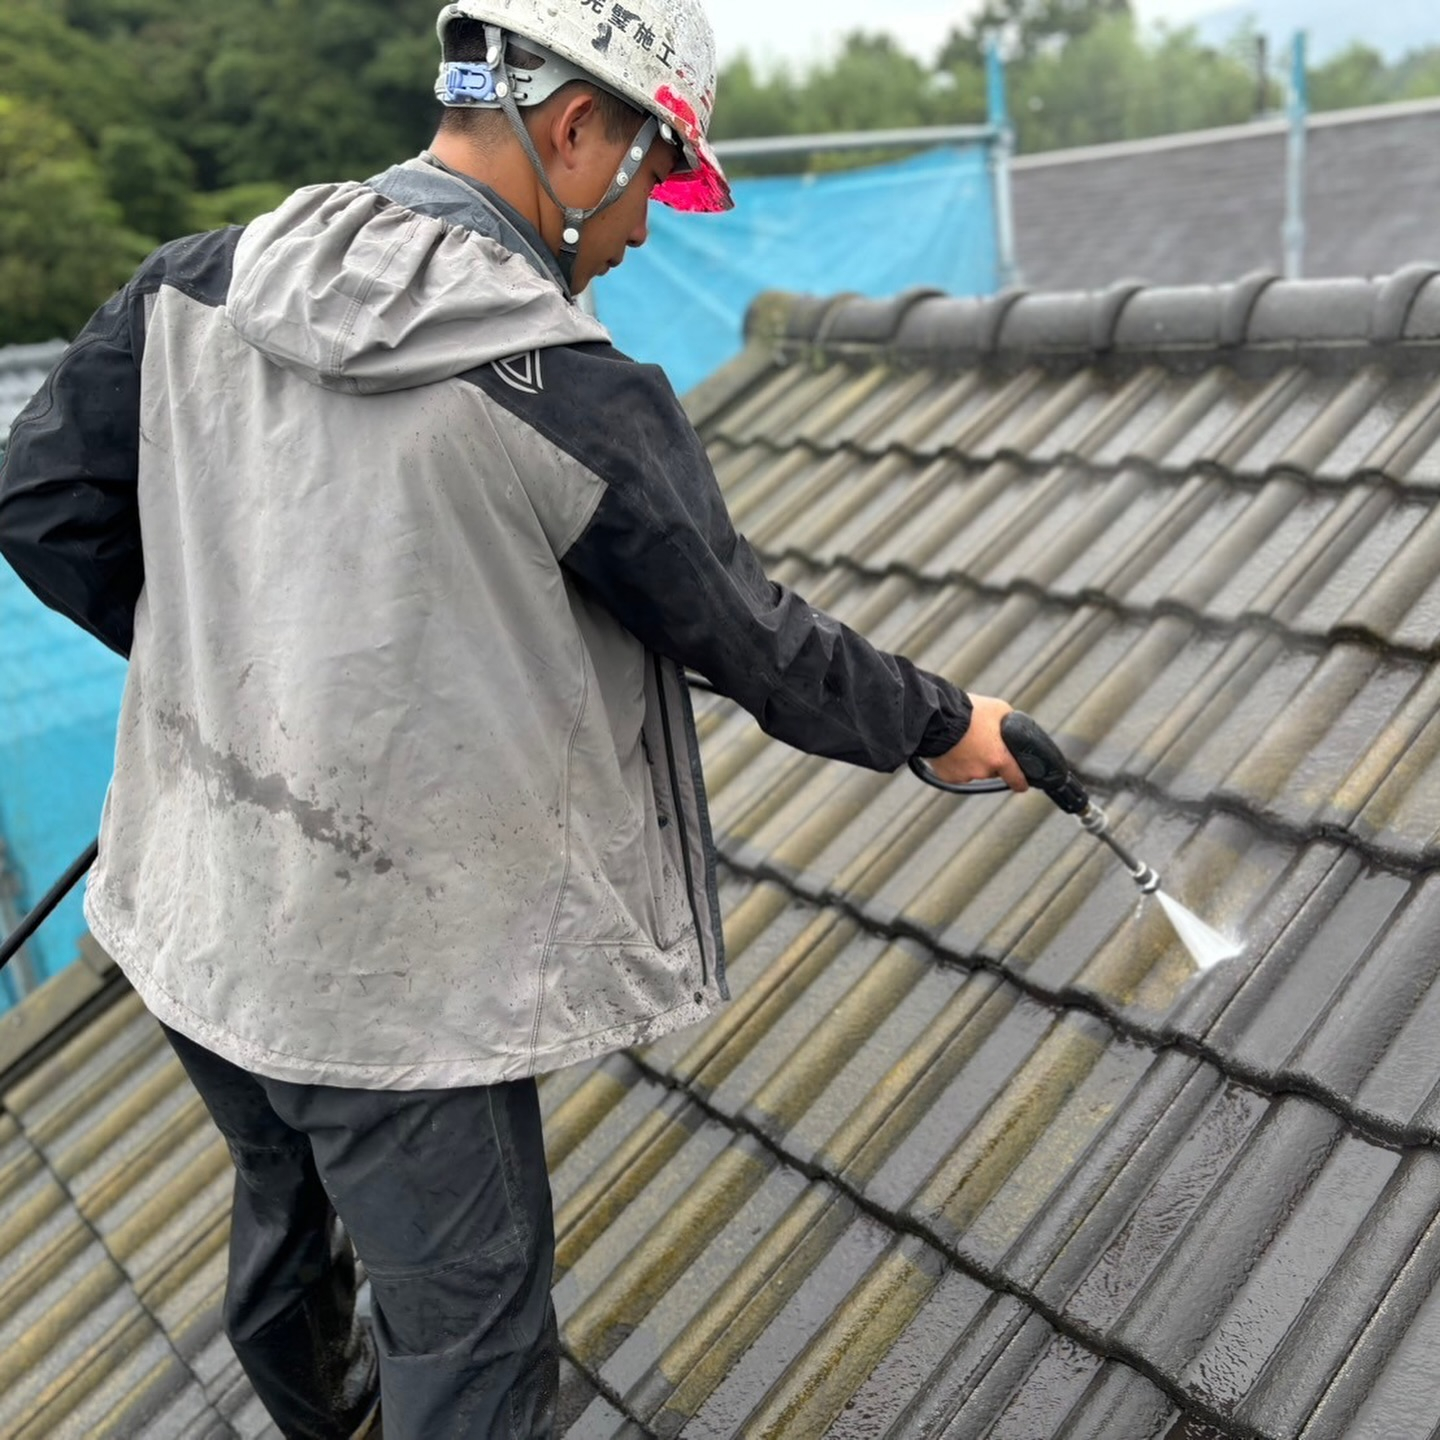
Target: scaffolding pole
pixel 1294 235
pixel 919 136
pixel 1002 147
pixel 996 135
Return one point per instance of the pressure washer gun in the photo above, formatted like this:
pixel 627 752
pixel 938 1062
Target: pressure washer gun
pixel 1046 768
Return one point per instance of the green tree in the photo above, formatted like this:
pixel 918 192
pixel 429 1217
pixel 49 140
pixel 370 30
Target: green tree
pixel 235 205
pixel 305 92
pixel 1027 28
pixel 273 90
pixel 872 85
pixel 44 60
pixel 1356 76
pixel 151 178
pixel 1110 84
pixel 755 104
pixel 63 242
pixel 1417 75
pixel 1194 87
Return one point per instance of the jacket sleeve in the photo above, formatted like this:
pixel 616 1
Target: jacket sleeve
pixel 69 518
pixel 660 552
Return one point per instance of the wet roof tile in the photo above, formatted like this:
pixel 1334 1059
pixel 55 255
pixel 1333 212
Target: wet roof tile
pixel 1113 1187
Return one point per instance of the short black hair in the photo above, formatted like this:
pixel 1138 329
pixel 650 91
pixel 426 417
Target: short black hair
pixel 465 43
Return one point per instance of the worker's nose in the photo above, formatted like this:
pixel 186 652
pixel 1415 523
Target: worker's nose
pixel 641 233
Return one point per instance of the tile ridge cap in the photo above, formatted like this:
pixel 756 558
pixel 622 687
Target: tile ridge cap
pixel 1225 317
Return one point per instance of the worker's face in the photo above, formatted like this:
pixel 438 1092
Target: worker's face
pixel 604 238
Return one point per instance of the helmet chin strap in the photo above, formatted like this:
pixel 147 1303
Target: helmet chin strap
pixel 574 218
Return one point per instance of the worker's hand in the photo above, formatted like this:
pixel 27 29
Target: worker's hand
pixel 981 754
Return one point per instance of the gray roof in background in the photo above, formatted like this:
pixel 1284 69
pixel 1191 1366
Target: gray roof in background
pixel 1209 207
pixel 23 369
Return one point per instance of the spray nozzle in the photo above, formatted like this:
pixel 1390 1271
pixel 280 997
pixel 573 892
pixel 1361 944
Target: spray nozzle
pixel 1046 768
pixel 1044 765
pixel 1094 819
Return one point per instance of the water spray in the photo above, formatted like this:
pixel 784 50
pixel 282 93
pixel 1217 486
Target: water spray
pixel 1045 767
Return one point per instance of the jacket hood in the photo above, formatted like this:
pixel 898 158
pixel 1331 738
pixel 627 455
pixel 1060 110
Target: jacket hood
pixel 361 294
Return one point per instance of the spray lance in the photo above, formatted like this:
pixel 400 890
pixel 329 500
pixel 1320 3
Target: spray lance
pixel 1042 764
pixel 1046 768
pixel 1039 758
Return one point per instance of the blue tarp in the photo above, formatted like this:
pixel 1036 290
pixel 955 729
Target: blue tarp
pixel 680 300
pixel 59 700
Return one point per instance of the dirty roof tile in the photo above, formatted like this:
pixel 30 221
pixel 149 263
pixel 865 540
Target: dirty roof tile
pixel 900 1377
pixel 1370 439
pixel 1328 1220
pixel 1418 465
pixel 757 1379
pixel 1188 629
pixel 117 1191
pixel 1103 1074
pixel 1167 411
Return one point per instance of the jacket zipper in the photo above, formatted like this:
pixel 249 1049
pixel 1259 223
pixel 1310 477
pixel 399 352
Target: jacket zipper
pixel 680 820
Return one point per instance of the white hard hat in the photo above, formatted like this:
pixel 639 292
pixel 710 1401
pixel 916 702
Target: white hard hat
pixel 659 55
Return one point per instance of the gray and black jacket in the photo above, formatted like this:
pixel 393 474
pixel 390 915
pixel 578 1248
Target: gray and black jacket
pixel 407 560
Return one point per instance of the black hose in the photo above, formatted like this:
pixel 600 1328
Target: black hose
pixel 56 893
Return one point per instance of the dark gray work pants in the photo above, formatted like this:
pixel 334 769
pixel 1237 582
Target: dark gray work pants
pixel 445 1196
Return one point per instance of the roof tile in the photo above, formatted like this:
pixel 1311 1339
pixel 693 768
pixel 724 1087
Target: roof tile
pixel 1385 1383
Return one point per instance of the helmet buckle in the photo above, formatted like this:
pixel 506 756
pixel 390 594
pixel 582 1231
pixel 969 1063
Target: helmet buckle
pixel 466 83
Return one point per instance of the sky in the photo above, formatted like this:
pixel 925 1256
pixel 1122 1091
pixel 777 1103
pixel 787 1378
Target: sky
pixel 809 28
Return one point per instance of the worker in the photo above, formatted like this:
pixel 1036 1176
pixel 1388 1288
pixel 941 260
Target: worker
pixel 407 805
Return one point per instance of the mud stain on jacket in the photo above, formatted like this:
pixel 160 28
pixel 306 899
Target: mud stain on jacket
pixel 237 784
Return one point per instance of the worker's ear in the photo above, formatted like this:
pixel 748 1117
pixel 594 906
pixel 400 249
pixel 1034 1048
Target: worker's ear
pixel 574 128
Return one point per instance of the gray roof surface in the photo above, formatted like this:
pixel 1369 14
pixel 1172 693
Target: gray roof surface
pixel 1209 207
pixel 23 369
pixel 113 1221
pixel 976 1151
